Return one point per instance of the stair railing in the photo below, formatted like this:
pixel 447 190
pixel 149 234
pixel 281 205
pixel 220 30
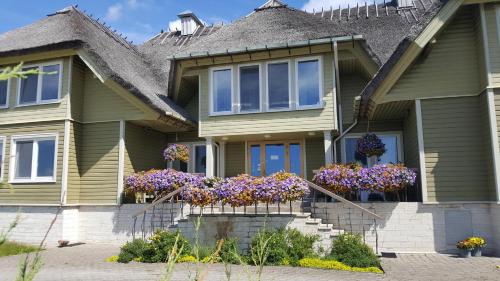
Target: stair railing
pixel 374 217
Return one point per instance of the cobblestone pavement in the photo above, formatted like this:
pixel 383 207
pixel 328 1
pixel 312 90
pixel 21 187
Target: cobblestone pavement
pixel 87 263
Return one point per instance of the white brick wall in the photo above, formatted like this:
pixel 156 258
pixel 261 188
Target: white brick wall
pixel 408 227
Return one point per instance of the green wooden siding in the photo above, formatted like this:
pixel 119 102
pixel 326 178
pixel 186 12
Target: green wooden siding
pixel 143 149
pixel 100 103
pixel 99 163
pixel 350 87
pixel 493 43
pixel 451 68
pixel 410 140
pixel 78 88
pixel 235 159
pixel 43 193
pixel 275 122
pixel 455 152
pixel 315 156
pixel 75 137
pixel 37 113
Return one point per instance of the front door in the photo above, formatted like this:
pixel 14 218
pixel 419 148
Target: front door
pixel 266 158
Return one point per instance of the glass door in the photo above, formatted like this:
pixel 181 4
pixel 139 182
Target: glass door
pixel 266 158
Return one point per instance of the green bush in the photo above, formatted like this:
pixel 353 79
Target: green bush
pixel 350 250
pixel 230 251
pixel 132 250
pixel 285 246
pixel 155 249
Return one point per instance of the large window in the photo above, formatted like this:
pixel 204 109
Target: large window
pixel 197 160
pixel 222 90
pixel 278 85
pixel 392 143
pixel 266 158
pixel 4 93
pixel 249 85
pixel 295 84
pixel 308 83
pixel 34 159
pixel 39 89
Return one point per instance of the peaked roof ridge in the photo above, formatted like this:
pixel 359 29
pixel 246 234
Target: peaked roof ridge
pixel 272 4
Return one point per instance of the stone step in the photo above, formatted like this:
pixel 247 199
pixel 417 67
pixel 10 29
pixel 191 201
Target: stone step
pixel 313 221
pixel 325 227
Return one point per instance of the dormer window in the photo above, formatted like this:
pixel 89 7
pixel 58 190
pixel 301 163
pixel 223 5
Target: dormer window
pixel 189 22
pixel 40 89
pixel 405 4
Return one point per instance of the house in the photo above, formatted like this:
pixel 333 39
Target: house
pixel 279 89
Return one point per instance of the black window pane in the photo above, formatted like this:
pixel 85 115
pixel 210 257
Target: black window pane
pixel 50 82
pixel 28 88
pixel 3 93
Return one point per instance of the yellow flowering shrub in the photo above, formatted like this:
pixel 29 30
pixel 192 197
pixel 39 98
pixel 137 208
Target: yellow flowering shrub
pixel 112 259
pixel 184 259
pixel 331 264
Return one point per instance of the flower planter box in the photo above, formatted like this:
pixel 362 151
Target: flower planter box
pixel 477 252
pixel 465 253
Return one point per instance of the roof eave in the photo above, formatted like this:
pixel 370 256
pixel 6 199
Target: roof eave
pixel 267 47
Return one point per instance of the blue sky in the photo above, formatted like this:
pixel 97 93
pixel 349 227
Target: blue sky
pixel 141 19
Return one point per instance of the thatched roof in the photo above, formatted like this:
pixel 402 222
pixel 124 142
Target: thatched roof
pixel 147 70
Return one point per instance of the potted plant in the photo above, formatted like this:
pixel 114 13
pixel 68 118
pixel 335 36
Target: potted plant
pixel 465 248
pixel 479 243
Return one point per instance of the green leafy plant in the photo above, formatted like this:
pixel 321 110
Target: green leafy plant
pixel 173 258
pixel 132 250
pixel 11 248
pixel 336 265
pixel 350 250
pixel 229 251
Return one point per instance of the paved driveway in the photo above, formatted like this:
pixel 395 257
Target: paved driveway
pixel 86 263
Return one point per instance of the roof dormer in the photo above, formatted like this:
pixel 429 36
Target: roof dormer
pixel 189 22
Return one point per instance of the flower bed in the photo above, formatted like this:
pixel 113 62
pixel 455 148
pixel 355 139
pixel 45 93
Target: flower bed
pixel 349 178
pixel 243 190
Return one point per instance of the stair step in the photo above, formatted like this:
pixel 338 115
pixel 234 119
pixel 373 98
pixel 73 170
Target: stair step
pixel 313 221
pixel 336 232
pixel 325 227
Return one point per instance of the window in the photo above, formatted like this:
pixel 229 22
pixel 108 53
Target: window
pixel 266 158
pixel 2 155
pixel 249 85
pixel 4 93
pixel 222 90
pixel 39 89
pixel 392 143
pixel 200 159
pixel 278 85
pixel 34 159
pixel 308 83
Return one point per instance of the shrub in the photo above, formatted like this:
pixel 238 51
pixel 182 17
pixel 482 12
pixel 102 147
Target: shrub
pixel 285 246
pixel 160 245
pixel 350 250
pixel 155 249
pixel 331 264
pixel 230 251
pixel 132 250
pixel 190 259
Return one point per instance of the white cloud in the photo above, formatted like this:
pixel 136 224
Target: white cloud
pixel 114 12
pixel 318 4
pixel 138 37
pixel 132 3
pixel 175 25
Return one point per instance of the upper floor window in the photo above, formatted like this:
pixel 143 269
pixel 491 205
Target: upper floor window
pixel 222 90
pixel 249 85
pixel 278 85
pixel 39 89
pixel 2 154
pixel 34 159
pixel 309 83
pixel 267 86
pixel 4 93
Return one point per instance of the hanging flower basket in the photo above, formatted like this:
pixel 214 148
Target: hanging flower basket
pixel 370 145
pixel 176 152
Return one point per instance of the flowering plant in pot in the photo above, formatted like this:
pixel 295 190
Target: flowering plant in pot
pixel 465 248
pixel 176 152
pixel 338 178
pixel 479 243
pixel 370 145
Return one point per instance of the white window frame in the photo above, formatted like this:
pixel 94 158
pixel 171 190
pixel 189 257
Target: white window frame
pixel 34 159
pixel 290 102
pixel 397 134
pixel 40 84
pixel 2 159
pixel 211 91
pixel 8 94
pixel 321 86
pixel 240 66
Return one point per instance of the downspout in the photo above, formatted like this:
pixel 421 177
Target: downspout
pixel 337 86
